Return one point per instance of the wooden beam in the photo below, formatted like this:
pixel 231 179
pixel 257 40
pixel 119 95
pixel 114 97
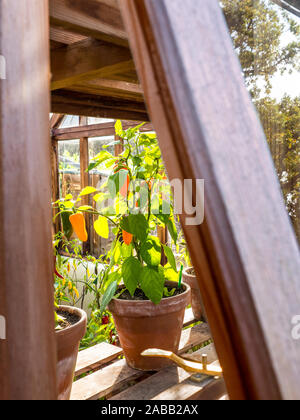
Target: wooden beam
pixel 67 102
pixel 28 355
pixel 100 19
pixel 112 88
pixel 65 37
pixel 56 120
pixel 245 252
pixel 95 130
pixel 88 59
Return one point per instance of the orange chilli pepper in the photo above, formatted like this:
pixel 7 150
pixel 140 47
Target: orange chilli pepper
pixel 127 237
pixel 78 222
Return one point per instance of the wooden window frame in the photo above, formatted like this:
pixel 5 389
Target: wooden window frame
pixel 84 132
pixel 208 129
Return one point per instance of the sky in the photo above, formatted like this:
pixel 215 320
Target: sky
pixel 287 83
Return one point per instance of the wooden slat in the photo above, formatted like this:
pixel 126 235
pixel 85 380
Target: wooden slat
pixel 95 357
pixel 101 383
pixel 192 337
pixel 103 353
pixel 56 120
pixel 28 355
pixel 95 130
pixel 245 253
pixel 111 88
pixel 100 19
pixel 172 383
pixel 86 60
pixel 65 37
pixel 111 378
pixel 74 103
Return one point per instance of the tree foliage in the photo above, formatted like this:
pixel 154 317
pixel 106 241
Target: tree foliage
pixel 267 41
pixel 257 28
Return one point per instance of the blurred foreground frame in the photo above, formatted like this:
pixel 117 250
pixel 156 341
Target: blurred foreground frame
pixel 208 129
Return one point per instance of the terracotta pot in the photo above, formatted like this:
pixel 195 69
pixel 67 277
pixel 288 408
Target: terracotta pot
pixel 142 325
pixel 67 342
pixel 196 299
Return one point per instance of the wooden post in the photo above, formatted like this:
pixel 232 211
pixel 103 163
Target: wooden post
pixel 28 355
pixel 84 180
pixel 245 253
pixel 55 182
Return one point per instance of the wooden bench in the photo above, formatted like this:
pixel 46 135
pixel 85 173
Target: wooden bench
pixel 107 376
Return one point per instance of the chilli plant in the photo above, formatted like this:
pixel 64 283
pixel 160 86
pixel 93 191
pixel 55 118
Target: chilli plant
pixel 67 279
pixel 134 202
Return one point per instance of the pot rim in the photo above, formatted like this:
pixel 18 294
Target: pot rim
pixel 146 308
pixel 187 286
pixel 80 324
pixel 185 272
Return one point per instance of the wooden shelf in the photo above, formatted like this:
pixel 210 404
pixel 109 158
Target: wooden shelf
pixel 110 378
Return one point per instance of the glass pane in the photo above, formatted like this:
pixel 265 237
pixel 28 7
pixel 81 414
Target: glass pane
pixel 70 121
pixel 99 246
pixel 92 120
pixel 267 41
pixel 69 168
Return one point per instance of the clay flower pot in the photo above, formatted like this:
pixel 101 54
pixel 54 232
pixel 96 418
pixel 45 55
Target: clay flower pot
pixel 142 325
pixel 67 342
pixel 197 303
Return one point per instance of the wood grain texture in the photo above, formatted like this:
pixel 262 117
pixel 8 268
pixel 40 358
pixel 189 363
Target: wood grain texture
pixel 86 60
pixel 111 88
pixel 64 37
pixel 245 252
pixel 56 120
pixel 28 356
pixel 95 130
pixel 111 378
pixel 100 19
pixel 75 103
pixel 96 356
pixel 170 384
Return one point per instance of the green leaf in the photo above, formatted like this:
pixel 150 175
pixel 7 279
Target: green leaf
pixel 108 296
pixel 137 161
pixel 119 128
pixel 170 256
pixel 131 272
pixel 137 225
pixel 170 224
pixel 126 250
pixel 87 191
pixel 85 208
pixel 152 284
pixel 116 181
pixel 101 227
pixel 168 293
pixel 102 157
pixel 151 251
pixel 171 275
pixel 68 204
pixel 117 254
